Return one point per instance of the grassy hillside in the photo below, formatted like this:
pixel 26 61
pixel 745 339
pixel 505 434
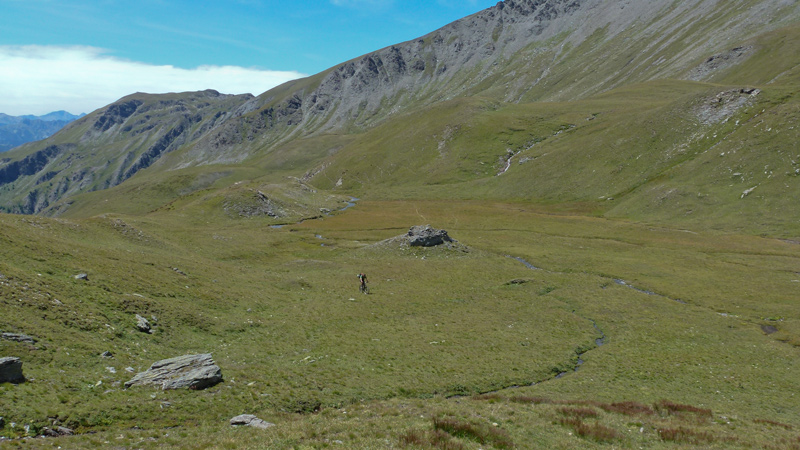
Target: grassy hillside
pixel 626 276
pixel 684 153
pixel 298 346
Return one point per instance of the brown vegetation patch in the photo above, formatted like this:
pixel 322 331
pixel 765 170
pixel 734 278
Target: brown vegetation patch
pixel 488 397
pixel 580 413
pixel 596 432
pixel 435 439
pixel 772 422
pixel 627 408
pixel 686 435
pixel 529 399
pixel 678 408
pixel 497 437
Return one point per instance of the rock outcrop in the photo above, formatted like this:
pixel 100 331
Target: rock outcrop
pixel 11 370
pixel 249 420
pixel 18 337
pixel 192 371
pixel 425 236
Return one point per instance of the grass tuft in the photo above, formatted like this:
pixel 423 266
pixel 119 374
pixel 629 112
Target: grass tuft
pixel 435 439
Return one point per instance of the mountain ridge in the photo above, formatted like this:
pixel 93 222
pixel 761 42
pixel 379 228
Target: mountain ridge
pixel 514 52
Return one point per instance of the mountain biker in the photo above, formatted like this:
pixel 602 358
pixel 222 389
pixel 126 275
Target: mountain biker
pixel 363 283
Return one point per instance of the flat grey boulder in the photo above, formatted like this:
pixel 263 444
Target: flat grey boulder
pixel 11 370
pixel 426 236
pixel 249 420
pixel 192 371
pixel 18 337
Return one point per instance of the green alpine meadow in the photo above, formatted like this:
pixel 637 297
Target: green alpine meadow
pixel 578 220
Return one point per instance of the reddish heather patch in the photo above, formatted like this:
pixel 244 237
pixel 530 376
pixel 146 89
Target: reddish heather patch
pixel 581 413
pixel 627 408
pixel 677 408
pixel 772 422
pixel 533 400
pixel 595 431
pixel 687 435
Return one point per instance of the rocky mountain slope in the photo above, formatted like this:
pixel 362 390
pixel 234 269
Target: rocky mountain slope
pixel 517 52
pixel 110 145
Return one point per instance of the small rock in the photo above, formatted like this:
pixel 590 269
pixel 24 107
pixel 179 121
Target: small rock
pixel 250 420
pixel 769 329
pixel 82 276
pixel 748 191
pixel 111 369
pixel 143 325
pixel 18 337
pixel 11 370
pixel 130 369
pixel 2 423
pixel 57 432
pixel 107 354
pixel 192 371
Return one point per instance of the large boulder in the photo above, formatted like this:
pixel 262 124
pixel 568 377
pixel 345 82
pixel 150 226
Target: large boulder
pixel 192 371
pixel 11 370
pixel 425 236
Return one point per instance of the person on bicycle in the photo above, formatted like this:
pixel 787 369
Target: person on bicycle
pixel 363 283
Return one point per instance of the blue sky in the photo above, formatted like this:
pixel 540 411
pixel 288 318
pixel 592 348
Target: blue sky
pixel 80 55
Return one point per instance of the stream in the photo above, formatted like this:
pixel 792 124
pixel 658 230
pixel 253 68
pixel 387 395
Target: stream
pixel 602 339
pixel 597 342
pixel 351 203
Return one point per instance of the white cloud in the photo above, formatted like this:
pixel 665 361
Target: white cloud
pixel 40 79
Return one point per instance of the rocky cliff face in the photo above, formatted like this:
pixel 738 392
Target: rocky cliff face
pixel 516 51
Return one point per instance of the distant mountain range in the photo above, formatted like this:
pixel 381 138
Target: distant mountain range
pixel 18 130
